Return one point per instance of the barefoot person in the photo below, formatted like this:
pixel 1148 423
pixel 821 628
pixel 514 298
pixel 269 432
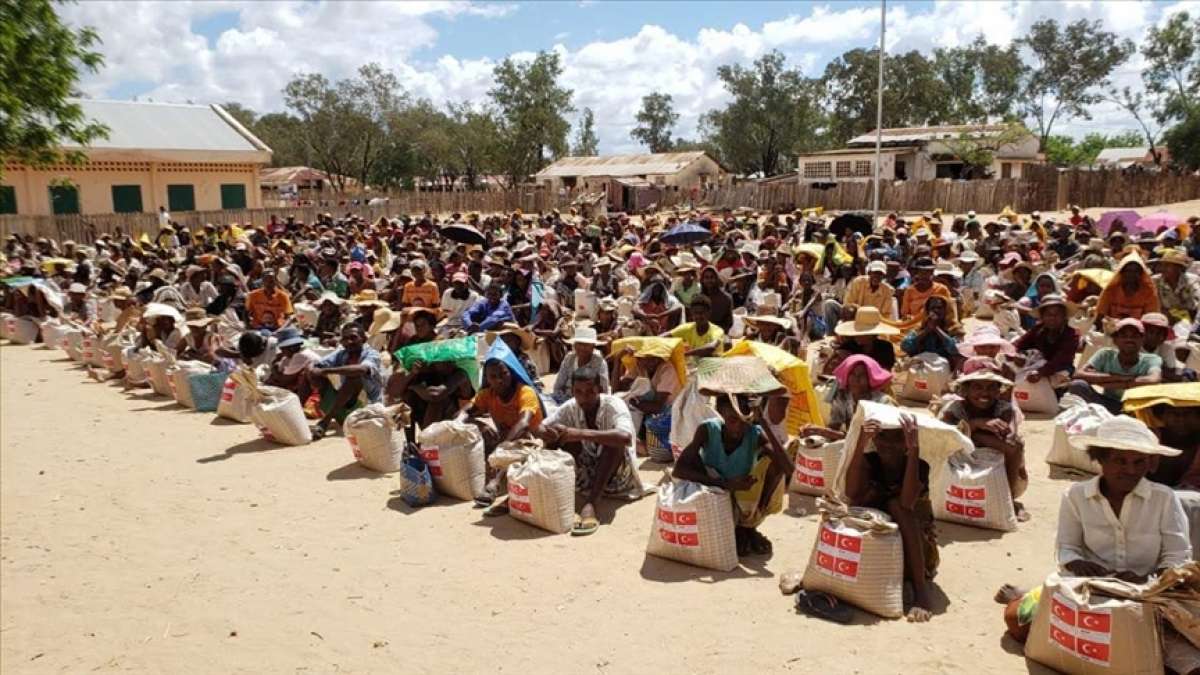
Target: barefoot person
pixel 597 429
pixel 895 479
pixel 360 370
pixel 738 454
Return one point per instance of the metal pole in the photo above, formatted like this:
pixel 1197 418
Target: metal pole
pixel 879 106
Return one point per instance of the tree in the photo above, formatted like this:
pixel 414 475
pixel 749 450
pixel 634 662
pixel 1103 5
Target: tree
pixel 473 144
pixel 586 143
pixel 40 63
pixel 1070 67
pixel 244 116
pixel 912 92
pixel 1138 107
pixel 530 107
pixel 1183 140
pixel 1173 67
pixel 655 122
pixel 1066 151
pixel 979 81
pixel 284 134
pixel 774 112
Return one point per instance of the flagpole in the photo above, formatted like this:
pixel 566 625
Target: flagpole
pixel 879 107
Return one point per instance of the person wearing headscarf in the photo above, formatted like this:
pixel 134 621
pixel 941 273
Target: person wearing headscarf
pixel 1043 285
pixel 658 308
pixel 1130 293
pixel 857 378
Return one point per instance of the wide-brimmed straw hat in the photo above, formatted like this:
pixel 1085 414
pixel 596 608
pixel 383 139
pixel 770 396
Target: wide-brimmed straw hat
pixel 196 317
pixel 1124 433
pixel 981 375
pixel 867 321
pixel 329 296
pixel 367 297
pixel 512 329
pixel 1175 257
pixel 384 321
pixel 585 334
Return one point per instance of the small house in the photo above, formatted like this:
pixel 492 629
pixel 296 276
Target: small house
pixel 634 182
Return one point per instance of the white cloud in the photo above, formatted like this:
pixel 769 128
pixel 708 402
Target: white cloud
pixel 156 47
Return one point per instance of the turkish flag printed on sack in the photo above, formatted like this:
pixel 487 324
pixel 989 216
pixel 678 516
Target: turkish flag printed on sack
pixel 430 455
pixel 679 527
pixel 227 389
pixel 839 553
pixel 1085 633
pixel 518 498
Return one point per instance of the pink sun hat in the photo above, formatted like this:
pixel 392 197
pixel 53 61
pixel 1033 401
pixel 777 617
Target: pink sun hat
pixel 983 336
pixel 875 373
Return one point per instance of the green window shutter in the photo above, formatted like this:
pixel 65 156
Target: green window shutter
pixel 127 198
pixel 64 200
pixel 8 200
pixel 181 198
pixel 233 196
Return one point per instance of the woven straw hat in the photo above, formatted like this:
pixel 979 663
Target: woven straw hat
pixel 867 321
pixel 1124 433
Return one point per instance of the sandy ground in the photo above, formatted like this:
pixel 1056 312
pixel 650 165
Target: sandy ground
pixel 138 536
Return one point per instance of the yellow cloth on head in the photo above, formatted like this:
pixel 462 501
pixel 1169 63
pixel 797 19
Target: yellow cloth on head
pixel 815 250
pixel 1140 400
pixel 668 349
pixel 793 373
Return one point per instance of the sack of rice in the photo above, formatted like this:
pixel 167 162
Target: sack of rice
pixel 629 287
pixel 375 437
pixel 235 402
pixel 135 365
pixel 973 490
pixel 156 370
pixel 1036 397
pixel 206 390
pixel 1077 418
pixel 694 524
pixel 688 412
pixel 23 331
pixel 89 348
pixel 1077 631
pixel 928 376
pixel 817 462
pixel 112 351
pixel 541 490
pixel 279 416
pixel 585 304
pixel 180 376
pixel 51 333
pixel 72 343
pixel 858 558
pixel 7 323
pixel 306 315
pixel 454 452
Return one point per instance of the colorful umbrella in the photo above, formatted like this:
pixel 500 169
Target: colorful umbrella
pixel 1154 221
pixel 1127 217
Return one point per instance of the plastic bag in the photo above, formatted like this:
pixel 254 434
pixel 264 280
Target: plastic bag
pixel 416 483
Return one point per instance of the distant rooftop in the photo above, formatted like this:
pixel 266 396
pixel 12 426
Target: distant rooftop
pixel 168 126
pixel 914 134
pixel 664 163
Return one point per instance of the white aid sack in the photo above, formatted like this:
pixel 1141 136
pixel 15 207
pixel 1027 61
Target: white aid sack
pixel 629 287
pixel 1078 419
pixel 928 376
pixel 51 333
pixel 454 453
pixel 973 490
pixel 1077 631
pixel 22 330
pixel 6 324
pixel 689 410
pixel 90 350
pixel 135 365
pixel 585 304
pixel 279 416
pixel 694 524
pixel 235 403
pixel 858 558
pixel 306 315
pixel 816 467
pixel 71 342
pixel 1034 397
pixel 374 438
pixel 541 490
pixel 156 370
pixel 178 375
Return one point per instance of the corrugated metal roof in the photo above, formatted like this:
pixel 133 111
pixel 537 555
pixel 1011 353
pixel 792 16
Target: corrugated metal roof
pixel 664 163
pixel 168 126
pixel 1122 154
pixel 911 134
pixel 886 150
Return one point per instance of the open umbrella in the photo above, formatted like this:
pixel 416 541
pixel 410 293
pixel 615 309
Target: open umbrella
pixel 1106 221
pixel 858 221
pixel 1154 221
pixel 463 234
pixel 686 233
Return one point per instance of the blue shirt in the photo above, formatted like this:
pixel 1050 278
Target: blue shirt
pixel 485 316
pixel 943 346
pixel 372 381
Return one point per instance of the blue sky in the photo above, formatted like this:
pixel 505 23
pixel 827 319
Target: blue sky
pixel 613 53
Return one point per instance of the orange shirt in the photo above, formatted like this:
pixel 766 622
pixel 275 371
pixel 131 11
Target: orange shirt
pixel 506 413
pixel 913 301
pixel 423 295
pixel 268 311
pixel 1115 303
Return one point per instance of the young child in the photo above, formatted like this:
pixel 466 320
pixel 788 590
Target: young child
pixel 895 479
pixel 988 416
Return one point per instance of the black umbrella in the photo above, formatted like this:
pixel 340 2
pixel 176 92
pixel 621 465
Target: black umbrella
pixel 859 221
pixel 463 234
pixel 686 233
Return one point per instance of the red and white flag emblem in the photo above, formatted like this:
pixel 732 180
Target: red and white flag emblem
pixel 431 457
pixel 679 527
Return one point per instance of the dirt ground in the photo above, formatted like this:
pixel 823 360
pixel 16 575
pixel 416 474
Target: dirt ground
pixel 138 536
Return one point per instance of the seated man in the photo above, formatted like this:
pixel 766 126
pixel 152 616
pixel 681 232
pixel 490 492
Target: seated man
pixel 1147 535
pixel 1158 330
pixel 895 479
pixel 700 336
pixel 597 429
pixel 989 418
pixel 488 313
pixel 583 356
pixel 293 359
pixel 1118 368
pixel 933 334
pixel 745 458
pixel 359 367
pixel 269 306
pixel 1054 340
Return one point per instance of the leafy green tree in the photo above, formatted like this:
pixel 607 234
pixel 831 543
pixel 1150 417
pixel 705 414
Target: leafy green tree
pixel 1070 68
pixel 284 134
pixel 40 63
pixel 979 81
pixel 775 112
pixel 1183 140
pixel 912 92
pixel 530 107
pixel 977 151
pixel 655 121
pixel 244 116
pixel 1173 67
pixel 586 142
pixel 473 144
pixel 1066 151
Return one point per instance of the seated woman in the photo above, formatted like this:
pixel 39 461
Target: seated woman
pixel 1130 293
pixel 1054 340
pixel 933 335
pixel 329 318
pixel 293 359
pixel 597 429
pixel 360 369
pixel 739 454
pixel 1118 524
pixel 866 335
pixel 858 378
pixel 985 413
pixel 1158 332
pixel 648 385
pixel 895 479
pixel 657 308
pixel 511 405
pixel 198 344
pixel 1045 285
pixel 1117 368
